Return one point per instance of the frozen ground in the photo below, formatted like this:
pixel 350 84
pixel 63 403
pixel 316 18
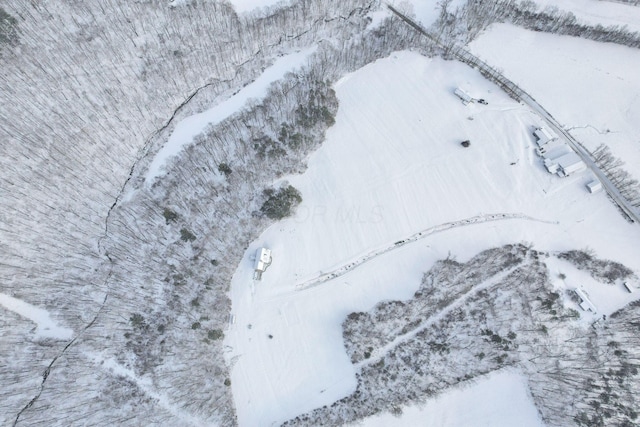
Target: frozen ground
pixel 194 125
pixel 390 167
pixel 590 87
pixel 498 399
pixel 46 327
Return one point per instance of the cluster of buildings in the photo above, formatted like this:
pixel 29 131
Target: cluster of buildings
pixel 557 156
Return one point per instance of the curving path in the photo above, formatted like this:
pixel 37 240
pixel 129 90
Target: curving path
pixel 359 260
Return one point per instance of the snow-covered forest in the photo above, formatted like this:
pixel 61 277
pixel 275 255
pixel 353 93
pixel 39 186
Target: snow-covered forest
pixel 497 310
pixel 122 252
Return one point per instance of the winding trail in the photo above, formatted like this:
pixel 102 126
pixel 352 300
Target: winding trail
pixel 361 259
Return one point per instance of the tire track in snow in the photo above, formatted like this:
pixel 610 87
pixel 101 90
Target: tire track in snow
pixel 360 260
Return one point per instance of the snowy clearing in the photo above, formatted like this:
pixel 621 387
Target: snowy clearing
pixel 192 126
pixel 46 327
pixel 391 166
pixel 499 399
pixel 590 87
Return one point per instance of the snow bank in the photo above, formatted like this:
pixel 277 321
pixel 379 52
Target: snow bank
pixel 192 126
pixel 45 325
pixel 391 166
pixel 498 399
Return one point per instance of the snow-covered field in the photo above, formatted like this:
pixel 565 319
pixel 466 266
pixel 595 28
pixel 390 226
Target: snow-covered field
pixel 498 399
pixel 390 167
pixel 590 87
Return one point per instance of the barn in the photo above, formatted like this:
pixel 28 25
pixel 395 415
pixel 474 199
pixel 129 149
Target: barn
pixel 569 163
pixel 543 136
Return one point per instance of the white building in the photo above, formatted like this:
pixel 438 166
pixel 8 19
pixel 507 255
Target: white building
pixel 570 163
pixel 552 149
pixel 628 287
pixel 464 96
pixel 585 303
pixel 263 260
pixel 543 136
pixel 594 186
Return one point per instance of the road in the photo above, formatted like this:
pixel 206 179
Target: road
pixel 519 94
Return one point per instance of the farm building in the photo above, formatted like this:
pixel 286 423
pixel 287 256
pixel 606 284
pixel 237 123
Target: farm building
pixel 570 163
pixel 263 260
pixel 585 303
pixel 464 96
pixel 552 149
pixel 628 287
pixel 565 165
pixel 543 136
pixel 594 186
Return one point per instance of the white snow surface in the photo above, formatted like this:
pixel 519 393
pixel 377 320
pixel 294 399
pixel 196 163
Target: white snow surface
pixel 391 166
pixel 499 399
pixel 187 129
pixel 46 327
pixel 591 88
pixel 603 12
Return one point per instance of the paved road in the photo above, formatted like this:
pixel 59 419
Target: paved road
pixel 519 94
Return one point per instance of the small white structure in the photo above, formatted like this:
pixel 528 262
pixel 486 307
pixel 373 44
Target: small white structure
pixel 594 186
pixel 263 260
pixel 464 96
pixel 551 166
pixel 628 287
pixel 585 303
pixel 543 136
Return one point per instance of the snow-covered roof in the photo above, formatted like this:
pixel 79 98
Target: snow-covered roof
pixel 543 136
pixel 594 186
pixel 263 259
pixel 466 98
pixel 570 163
pixel 586 303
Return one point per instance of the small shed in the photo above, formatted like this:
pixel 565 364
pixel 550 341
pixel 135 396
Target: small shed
pixel 594 186
pixel 585 302
pixel 551 166
pixel 569 163
pixel 262 261
pixel 464 96
pixel 628 287
pixel 543 136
